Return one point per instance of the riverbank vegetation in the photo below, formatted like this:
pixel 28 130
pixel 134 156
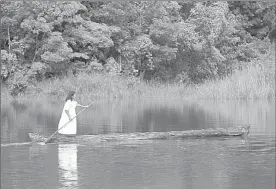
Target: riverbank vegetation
pixel 213 50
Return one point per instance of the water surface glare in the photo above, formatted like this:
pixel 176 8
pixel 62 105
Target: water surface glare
pixel 224 163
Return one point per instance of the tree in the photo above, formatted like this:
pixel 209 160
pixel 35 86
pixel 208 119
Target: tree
pixel 256 18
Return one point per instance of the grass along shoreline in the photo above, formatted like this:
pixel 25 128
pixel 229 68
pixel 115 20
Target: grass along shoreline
pixel 256 81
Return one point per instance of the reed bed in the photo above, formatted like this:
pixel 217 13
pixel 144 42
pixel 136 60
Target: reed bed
pixel 255 81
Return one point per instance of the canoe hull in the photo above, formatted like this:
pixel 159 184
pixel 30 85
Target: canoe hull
pixel 240 131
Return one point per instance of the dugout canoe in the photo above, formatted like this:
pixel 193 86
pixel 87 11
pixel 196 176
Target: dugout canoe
pixel 238 131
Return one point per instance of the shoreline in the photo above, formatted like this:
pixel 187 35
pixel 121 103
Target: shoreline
pixel 253 82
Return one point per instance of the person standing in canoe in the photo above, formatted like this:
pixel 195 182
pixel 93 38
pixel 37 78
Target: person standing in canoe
pixel 68 114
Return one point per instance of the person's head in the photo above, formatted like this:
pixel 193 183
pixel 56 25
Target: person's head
pixel 71 95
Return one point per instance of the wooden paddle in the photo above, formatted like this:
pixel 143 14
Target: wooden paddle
pixel 49 138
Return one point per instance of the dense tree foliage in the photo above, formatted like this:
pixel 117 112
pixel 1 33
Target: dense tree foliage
pixel 166 41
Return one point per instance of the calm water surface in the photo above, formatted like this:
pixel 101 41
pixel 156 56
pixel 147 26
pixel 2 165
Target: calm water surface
pixel 223 163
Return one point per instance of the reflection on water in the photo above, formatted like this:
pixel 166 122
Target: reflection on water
pixel 229 164
pixel 67 163
pixel 138 116
pixel 36 150
pixel 180 164
pixel 260 114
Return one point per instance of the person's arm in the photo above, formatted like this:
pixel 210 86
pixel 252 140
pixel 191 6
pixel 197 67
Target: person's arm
pixel 67 112
pixel 66 109
pixel 81 105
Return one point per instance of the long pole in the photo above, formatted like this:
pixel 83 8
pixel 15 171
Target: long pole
pixel 49 138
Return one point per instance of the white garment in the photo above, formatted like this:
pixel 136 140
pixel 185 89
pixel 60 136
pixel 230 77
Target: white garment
pixel 71 127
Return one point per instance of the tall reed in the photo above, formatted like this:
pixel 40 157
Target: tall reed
pixel 255 81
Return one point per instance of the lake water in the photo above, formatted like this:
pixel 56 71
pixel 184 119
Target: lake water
pixel 224 163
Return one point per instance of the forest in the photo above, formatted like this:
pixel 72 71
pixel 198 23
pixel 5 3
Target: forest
pixel 161 42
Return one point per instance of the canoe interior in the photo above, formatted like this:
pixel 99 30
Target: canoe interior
pixel 239 131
